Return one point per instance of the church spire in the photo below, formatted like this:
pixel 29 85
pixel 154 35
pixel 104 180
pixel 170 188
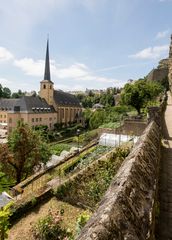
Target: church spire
pixel 47 64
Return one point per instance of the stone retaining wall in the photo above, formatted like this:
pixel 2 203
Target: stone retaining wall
pixel 35 176
pixel 127 211
pixel 129 127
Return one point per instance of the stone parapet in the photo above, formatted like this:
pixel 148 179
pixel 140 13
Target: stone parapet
pixel 127 211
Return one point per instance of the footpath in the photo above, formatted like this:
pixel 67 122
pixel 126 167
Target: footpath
pixel 164 228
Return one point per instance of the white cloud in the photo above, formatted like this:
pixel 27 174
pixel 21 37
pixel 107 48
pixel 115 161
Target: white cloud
pixel 151 52
pixel 30 67
pixel 162 34
pixel 77 71
pixel 5 55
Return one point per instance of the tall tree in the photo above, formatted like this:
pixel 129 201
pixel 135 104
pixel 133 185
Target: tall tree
pixel 137 94
pixel 25 149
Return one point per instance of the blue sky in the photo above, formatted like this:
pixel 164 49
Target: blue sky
pixel 93 43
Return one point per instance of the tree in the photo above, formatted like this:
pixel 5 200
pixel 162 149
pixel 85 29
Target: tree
pixel 137 94
pixel 97 118
pixel 6 92
pixel 1 91
pixel 18 94
pixel 25 149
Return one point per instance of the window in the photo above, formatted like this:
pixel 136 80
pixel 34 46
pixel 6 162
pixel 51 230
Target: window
pixel 50 86
pixel 5 116
pixel 50 119
pixel 36 119
pixel 22 119
pixel 62 113
pixel 10 120
pixel 44 86
pixel 40 119
pixel 32 119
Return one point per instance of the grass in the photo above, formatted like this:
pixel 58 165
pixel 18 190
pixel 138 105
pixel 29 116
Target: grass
pixel 111 125
pixel 21 229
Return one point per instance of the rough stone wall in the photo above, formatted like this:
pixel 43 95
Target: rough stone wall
pixel 127 209
pixel 157 74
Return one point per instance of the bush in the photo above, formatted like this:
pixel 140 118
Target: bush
pixel 58 148
pixel 4 221
pixel 81 221
pixel 50 227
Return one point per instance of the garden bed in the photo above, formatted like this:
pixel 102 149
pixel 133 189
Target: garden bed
pixel 86 188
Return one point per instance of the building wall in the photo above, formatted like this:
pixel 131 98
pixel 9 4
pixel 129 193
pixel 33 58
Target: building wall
pixel 47 91
pixel 68 114
pixel 3 116
pixel 32 119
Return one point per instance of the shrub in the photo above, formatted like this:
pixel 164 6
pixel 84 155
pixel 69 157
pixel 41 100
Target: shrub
pixel 81 221
pixel 50 227
pixel 4 221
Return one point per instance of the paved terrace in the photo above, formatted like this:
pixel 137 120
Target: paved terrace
pixel 165 223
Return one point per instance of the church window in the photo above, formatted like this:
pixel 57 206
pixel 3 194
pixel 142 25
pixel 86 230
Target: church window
pixel 62 113
pixel 44 86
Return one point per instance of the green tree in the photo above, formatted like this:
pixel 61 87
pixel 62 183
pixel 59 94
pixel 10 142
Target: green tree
pixel 18 94
pixel 137 94
pixel 26 149
pixel 6 92
pixel 97 118
pixel 1 91
pixel 87 115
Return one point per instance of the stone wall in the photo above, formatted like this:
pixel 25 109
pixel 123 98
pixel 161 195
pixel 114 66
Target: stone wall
pixel 127 210
pixel 157 75
pixel 129 127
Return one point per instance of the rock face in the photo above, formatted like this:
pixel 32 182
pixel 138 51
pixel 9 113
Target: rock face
pixel 127 209
pixel 164 70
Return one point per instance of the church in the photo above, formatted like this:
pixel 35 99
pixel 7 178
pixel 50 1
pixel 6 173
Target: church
pixel 49 108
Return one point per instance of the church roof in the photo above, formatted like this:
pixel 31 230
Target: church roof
pixel 28 104
pixel 65 99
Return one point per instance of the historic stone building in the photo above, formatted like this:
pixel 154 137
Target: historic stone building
pixel 49 108
pixel 164 70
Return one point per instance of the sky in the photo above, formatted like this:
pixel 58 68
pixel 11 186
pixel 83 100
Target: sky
pixel 93 44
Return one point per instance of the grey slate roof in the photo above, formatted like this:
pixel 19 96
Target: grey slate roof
pixel 26 104
pixel 65 99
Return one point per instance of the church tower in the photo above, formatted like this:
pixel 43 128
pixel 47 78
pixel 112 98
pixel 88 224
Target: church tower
pixel 46 85
pixel 170 66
